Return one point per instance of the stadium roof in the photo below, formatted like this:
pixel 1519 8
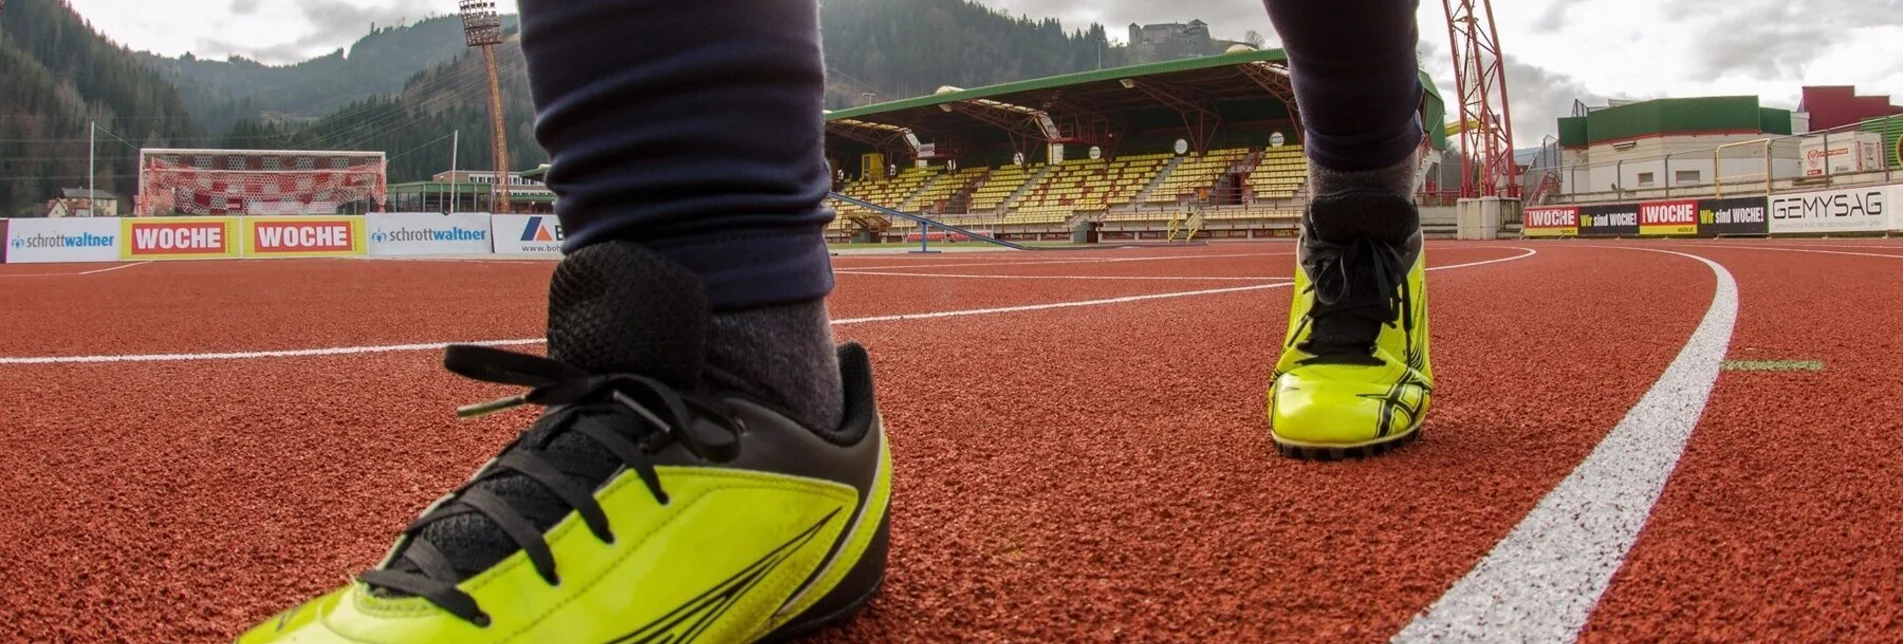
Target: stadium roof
pixel 1091 107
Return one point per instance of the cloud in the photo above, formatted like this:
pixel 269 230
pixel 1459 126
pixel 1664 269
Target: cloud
pixel 333 24
pixel 1537 97
pixel 1772 39
pixel 1553 19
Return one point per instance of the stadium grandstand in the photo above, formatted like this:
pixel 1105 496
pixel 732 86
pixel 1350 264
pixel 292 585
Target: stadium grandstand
pixel 1211 144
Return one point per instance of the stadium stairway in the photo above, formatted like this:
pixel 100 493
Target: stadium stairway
pixel 1161 176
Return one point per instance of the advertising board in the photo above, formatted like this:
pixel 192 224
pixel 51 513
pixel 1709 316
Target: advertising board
pixel 1732 216
pixel 63 239
pixel 1676 217
pixel 170 238
pixel 1609 220
pixel 303 236
pixel 1862 209
pixel 530 235
pixel 423 234
pixel 1551 222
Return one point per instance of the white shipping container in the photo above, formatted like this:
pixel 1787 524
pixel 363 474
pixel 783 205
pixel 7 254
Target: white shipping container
pixel 1848 152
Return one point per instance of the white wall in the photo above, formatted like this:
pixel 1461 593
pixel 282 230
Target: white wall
pixel 1600 167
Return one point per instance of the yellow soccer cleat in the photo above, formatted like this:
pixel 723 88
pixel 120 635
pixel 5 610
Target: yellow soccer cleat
pixel 633 510
pixel 1354 378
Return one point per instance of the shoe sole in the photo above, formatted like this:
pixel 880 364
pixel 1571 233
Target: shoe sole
pixel 847 599
pixel 1334 453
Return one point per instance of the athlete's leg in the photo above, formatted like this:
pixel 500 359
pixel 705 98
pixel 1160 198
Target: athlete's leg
pixel 703 438
pixel 1354 375
pixel 696 130
pixel 1357 79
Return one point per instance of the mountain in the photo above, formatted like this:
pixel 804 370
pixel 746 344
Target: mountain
pixel 893 48
pixel 221 92
pixel 58 76
pixel 405 89
pixel 415 126
pixel 904 48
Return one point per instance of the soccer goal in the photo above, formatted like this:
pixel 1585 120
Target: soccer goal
pixel 260 182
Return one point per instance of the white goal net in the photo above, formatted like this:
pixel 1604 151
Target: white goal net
pixel 259 182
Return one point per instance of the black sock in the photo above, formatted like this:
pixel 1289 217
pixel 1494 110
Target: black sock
pixel 1377 203
pixel 782 354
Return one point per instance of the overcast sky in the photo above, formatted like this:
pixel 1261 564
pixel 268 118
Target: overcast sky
pixel 1558 50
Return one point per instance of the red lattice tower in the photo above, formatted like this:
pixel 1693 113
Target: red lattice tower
pixel 258 182
pixel 1487 167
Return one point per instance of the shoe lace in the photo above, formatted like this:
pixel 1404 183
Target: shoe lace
pixel 1359 287
pixel 630 416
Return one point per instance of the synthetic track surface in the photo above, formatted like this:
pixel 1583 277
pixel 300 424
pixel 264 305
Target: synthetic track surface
pixel 1085 473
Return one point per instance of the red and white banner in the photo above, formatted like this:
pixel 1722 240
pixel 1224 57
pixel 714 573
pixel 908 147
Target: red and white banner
pixel 159 238
pixel 308 236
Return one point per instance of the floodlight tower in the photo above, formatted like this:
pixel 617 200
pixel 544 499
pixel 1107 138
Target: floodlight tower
pixel 1481 82
pixel 482 28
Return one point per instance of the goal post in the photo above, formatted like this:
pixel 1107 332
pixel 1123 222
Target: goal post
pixel 259 182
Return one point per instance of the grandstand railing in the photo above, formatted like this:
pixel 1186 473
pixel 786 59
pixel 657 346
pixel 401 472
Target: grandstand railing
pixel 925 223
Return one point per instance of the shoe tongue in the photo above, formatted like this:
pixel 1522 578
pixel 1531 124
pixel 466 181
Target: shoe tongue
pixel 1340 217
pixel 615 307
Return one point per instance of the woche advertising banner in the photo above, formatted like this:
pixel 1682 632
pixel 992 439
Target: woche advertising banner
pixel 64 239
pixel 1864 209
pixel 1609 220
pixel 168 238
pixel 1732 216
pixel 303 236
pixel 1679 217
pixel 1551 222
pixel 417 234
pixel 533 235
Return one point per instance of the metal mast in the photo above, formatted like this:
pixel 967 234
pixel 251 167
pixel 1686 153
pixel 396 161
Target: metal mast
pixel 1486 140
pixel 482 27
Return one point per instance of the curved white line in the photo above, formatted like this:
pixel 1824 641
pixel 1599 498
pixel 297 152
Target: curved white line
pixel 1542 582
pixel 332 351
pixel 1803 250
pixel 1153 278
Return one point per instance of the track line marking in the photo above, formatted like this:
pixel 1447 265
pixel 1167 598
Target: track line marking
pixel 429 346
pixel 244 355
pixel 1056 277
pixel 1773 365
pixel 108 270
pixel 1157 258
pixel 1542 582
pixel 91 272
pixel 1802 250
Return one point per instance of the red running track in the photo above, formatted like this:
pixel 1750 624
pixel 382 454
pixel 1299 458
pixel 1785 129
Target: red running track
pixel 1036 500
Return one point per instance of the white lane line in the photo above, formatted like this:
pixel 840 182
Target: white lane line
pixel 108 270
pixel 1542 582
pixel 1801 250
pixel 245 355
pixel 1059 277
pixel 1156 258
pixel 429 346
pixel 91 272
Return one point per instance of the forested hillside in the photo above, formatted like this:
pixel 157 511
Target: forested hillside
pixel 415 127
pixel 221 92
pixel 56 76
pixel 904 48
pixel 404 90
